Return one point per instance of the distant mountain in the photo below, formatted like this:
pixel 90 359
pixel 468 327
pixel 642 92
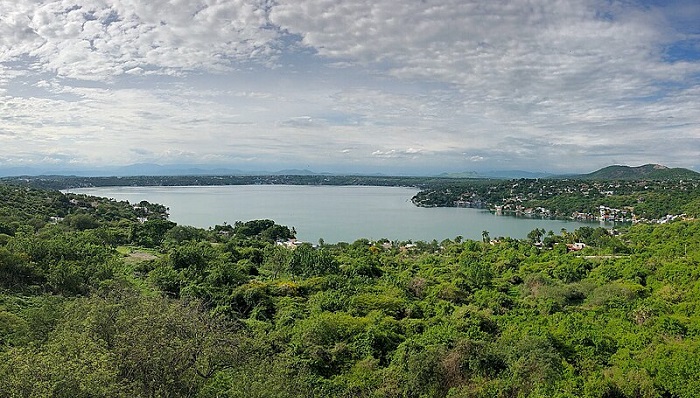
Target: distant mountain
pixel 617 172
pixel 294 172
pixel 463 174
pixel 496 174
pixel 20 171
pixel 144 169
pixel 148 169
pixel 647 171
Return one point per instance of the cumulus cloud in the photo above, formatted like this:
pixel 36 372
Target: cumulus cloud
pixel 428 83
pixel 521 52
pixel 393 153
pixel 100 39
pixel 558 67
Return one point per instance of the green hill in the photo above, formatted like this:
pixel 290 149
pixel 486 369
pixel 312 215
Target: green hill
pixel 97 301
pixel 647 171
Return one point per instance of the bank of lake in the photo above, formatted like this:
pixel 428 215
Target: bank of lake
pixel 331 213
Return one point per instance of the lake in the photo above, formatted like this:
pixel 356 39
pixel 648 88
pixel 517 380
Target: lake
pixel 334 213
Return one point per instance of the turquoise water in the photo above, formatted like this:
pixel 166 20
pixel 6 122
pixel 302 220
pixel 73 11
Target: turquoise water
pixel 334 213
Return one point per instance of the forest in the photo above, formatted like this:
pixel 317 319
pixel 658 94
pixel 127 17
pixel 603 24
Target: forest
pixel 100 298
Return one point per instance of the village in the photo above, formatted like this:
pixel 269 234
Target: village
pixel 603 201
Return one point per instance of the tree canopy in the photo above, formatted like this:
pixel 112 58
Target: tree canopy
pixel 105 298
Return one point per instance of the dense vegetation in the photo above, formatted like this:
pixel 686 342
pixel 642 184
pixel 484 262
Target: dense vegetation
pixel 566 198
pixel 647 171
pixel 105 298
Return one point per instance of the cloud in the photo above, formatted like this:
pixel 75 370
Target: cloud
pixel 393 153
pixel 557 66
pixel 385 154
pixel 99 39
pixel 301 122
pixel 437 83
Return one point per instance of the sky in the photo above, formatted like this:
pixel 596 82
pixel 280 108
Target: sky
pixel 363 86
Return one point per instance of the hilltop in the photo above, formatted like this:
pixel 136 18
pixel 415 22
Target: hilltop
pixel 647 171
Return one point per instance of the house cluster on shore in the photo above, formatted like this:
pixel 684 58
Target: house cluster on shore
pixel 605 214
pixel 520 210
pixel 663 220
pixel 609 214
pixel 620 201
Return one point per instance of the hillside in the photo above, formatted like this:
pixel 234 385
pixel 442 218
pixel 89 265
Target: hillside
pixel 647 171
pixel 95 301
pixel 497 174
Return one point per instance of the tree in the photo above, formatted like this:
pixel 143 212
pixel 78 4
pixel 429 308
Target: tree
pixel 123 344
pixel 15 271
pixel 535 236
pixel 151 233
pixel 306 261
pixel 82 222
